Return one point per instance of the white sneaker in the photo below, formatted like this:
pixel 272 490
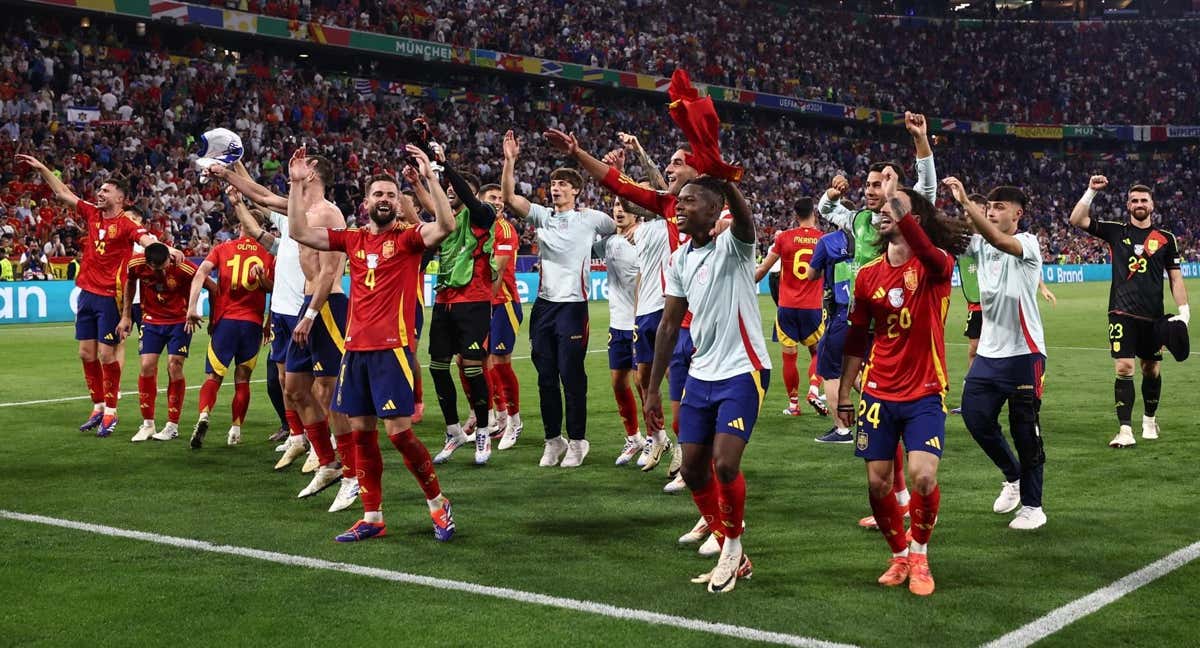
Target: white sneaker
pixel 282 447
pixel 576 452
pixel 710 547
pixel 654 453
pixel 296 446
pixel 1009 498
pixel 676 485
pixel 1028 518
pixel 169 431
pixel 633 445
pixel 483 447
pixel 1124 438
pixel 311 463
pixel 325 477
pixel 645 456
pixel 235 436
pixel 676 460
pixel 724 578
pixel 1149 428
pixel 144 432
pixel 453 442
pixel 696 534
pixel 555 448
pixel 512 432
pixel 347 493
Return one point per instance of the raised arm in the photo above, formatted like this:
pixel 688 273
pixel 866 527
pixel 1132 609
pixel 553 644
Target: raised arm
pixel 481 215
pixel 566 143
pixel 508 180
pixel 939 264
pixel 830 206
pixel 62 193
pixel 249 225
pixel 990 233
pixel 239 177
pixel 1081 215
pixel 301 175
pixel 331 265
pixel 926 171
pixel 631 143
pixel 430 194
pixel 743 219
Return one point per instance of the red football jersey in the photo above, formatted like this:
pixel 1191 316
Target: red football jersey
pixel 908 356
pixel 384 281
pixel 795 249
pixel 164 292
pixel 240 296
pixel 504 244
pixel 479 289
pixel 107 245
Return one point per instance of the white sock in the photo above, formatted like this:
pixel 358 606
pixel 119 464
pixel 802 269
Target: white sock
pixel 373 516
pixel 843 431
pixel 436 503
pixel 454 430
pixel 203 416
pixel 919 548
pixel 97 407
pixel 902 554
pixel 110 411
pixel 235 429
pixel 660 436
pixel 732 547
pixel 148 422
pixel 516 419
pixel 902 497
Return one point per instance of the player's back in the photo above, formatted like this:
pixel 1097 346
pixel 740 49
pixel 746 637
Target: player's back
pixel 241 291
pixel 795 249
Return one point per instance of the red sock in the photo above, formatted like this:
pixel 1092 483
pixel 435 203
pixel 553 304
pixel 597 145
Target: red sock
pixel 175 391
pixel 347 453
pixel 814 381
pixel 318 436
pixel 733 505
pixel 418 390
pixel 627 408
pixel 898 483
pixel 708 500
pixel 295 426
pixel 147 394
pixel 241 402
pixel 890 520
pixel 495 388
pixel 94 375
pixel 112 383
pixel 924 510
pixel 370 468
pixel 791 375
pixel 512 390
pixel 208 395
pixel 466 384
pixel 416 459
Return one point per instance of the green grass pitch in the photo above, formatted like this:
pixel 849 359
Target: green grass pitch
pixel 599 533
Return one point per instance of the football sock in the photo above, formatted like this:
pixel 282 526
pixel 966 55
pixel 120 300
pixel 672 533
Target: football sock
pixel 147 394
pixel 791 375
pixel 295 426
pixel 510 388
pixel 466 384
pixel 112 383
pixel 175 392
pixel 495 388
pixel 347 454
pixel 890 520
pixel 626 407
pixel 275 393
pixel 924 511
pixel 1123 391
pixel 708 501
pixel 208 395
pixel 733 505
pixel 94 375
pixel 447 395
pixel 241 402
pixel 1151 390
pixel 416 459
pixel 477 394
pixel 370 470
pixel 318 437
pixel 814 381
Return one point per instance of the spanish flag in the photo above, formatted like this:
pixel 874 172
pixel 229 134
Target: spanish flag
pixel 698 120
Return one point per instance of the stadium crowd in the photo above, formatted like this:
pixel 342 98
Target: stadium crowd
pixel 974 71
pixel 151 110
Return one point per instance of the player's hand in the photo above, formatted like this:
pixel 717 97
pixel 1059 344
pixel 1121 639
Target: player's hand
pixel 512 146
pixel 439 152
pixel 957 189
pixel 838 187
pixel 1049 296
pixel 300 333
pixel 615 159
pixel 298 168
pixel 652 408
pixel 1098 183
pixel 177 256
pixel 194 321
pixel 845 413
pixel 1185 315
pixel 560 141
pixel 630 142
pixel 423 165
pixel 233 194
pixel 721 225
pixel 915 124
pixel 34 163
pixel 268 335
pixel 123 328
pixel 219 170
pixel 411 175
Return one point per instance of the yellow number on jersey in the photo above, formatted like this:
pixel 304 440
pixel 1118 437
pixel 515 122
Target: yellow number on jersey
pixel 801 266
pixel 1137 264
pixel 872 414
pixel 369 280
pixel 101 246
pixel 903 320
pixel 241 271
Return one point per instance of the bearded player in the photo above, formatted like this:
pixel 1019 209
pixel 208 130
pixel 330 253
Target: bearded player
pixel 906 293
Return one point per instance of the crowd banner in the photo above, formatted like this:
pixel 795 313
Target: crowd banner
pixel 248 23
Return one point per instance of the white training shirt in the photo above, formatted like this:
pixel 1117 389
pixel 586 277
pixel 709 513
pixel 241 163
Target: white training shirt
pixel 718 282
pixel 653 251
pixel 622 260
pixel 565 242
pixel 1008 288
pixel 288 295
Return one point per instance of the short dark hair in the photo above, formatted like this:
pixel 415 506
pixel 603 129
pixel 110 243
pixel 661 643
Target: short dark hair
pixel 978 199
pixel 120 183
pixel 878 167
pixel 140 211
pixel 323 168
pixel 472 180
pixel 804 207
pixel 709 184
pixel 1007 193
pixel 491 186
pixel 157 254
pixel 1141 188
pixel 950 234
pixel 570 176
pixel 383 177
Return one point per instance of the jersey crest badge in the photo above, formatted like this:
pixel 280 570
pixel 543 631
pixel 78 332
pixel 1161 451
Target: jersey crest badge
pixel 1155 241
pixel 702 276
pixel 112 231
pixel 896 297
pixel 389 249
pixel 1138 249
pixel 910 279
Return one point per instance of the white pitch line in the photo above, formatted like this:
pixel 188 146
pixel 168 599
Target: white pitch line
pixel 1062 617
pixel 75 398
pixel 591 607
